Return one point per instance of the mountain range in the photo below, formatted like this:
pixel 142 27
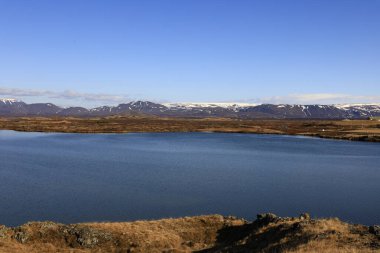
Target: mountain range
pixel 16 108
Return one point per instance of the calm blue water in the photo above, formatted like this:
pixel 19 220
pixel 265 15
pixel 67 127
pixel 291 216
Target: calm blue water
pixel 118 177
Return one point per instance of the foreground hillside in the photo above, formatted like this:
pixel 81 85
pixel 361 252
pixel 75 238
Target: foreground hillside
pixel 363 130
pixel 211 233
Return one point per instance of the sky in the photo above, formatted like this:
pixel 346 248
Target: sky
pixel 91 52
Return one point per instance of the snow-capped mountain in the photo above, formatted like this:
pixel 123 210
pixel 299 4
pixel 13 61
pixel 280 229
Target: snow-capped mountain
pixel 360 110
pixel 12 107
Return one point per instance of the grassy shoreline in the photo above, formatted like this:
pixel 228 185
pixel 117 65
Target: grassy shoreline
pixel 355 130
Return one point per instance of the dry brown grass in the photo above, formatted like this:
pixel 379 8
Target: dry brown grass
pixel 212 233
pixel 364 130
pixel 329 247
pixel 333 236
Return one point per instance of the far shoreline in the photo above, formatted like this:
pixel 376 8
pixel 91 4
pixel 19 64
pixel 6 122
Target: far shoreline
pixel 351 130
pixel 204 132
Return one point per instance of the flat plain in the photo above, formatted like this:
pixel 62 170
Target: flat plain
pixel 359 130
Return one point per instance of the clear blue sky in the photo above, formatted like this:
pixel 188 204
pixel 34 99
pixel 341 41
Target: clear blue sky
pixel 182 50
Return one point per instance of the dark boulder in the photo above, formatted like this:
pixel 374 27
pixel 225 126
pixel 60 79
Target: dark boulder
pixel 266 218
pixel 375 229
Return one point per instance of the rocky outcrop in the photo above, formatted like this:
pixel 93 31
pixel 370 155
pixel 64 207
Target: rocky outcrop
pixel 71 235
pixel 266 218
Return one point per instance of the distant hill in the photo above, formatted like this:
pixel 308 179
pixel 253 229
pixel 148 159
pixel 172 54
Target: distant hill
pixel 14 108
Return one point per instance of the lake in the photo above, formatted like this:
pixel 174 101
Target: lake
pixel 73 178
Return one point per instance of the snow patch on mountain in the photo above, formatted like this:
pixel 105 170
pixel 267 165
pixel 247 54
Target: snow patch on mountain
pixel 9 100
pixel 209 105
pixel 357 106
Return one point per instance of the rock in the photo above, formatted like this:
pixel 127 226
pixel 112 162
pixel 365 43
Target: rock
pixel 87 237
pixel 375 229
pixel 3 231
pixel 267 217
pixel 21 236
pixel 304 216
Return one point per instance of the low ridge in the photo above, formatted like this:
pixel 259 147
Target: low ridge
pixel 209 233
